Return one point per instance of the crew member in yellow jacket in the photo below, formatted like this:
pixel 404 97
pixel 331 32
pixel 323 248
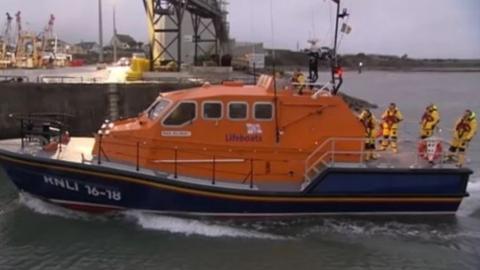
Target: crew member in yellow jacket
pixel 429 122
pixel 390 120
pixel 369 123
pixel 299 80
pixel 465 130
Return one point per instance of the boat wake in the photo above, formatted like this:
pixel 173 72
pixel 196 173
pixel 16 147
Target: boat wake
pixel 406 229
pixel 425 228
pixel 169 224
pixel 42 207
pixel 194 227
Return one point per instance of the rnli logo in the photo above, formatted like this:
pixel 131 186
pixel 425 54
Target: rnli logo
pixel 254 129
pixel 254 134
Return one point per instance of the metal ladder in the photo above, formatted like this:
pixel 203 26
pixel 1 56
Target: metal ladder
pixel 326 153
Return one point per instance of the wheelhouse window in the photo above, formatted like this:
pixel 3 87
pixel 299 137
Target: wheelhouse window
pixel 184 113
pixel 212 110
pixel 263 111
pixel 237 110
pixel 157 109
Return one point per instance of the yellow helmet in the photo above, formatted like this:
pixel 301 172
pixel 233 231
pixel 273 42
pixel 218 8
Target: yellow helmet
pixel 432 107
pixel 365 113
pixel 470 115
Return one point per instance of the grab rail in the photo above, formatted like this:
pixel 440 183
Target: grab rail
pixel 331 143
pixel 330 153
pixel 176 161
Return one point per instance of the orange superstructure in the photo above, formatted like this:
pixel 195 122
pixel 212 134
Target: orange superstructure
pixel 229 132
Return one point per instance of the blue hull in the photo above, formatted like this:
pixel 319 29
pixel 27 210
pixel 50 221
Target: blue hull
pixel 94 188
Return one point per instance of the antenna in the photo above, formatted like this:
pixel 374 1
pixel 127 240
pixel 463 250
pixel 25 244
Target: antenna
pixel 275 97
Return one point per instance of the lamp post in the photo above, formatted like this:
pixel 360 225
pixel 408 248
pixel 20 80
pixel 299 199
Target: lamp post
pixel 100 31
pixel 114 35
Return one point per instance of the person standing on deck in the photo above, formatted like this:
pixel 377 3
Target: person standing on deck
pixel 369 123
pixel 338 76
pixel 429 122
pixel 299 81
pixel 390 122
pixel 313 58
pixel 465 130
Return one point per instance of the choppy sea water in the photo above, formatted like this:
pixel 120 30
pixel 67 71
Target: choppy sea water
pixel 37 235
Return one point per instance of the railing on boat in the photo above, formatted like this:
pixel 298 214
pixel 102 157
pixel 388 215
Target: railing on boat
pixel 41 126
pixel 248 178
pixel 329 155
pixel 317 88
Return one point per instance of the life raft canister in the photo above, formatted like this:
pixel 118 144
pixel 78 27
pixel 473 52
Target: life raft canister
pixel 430 150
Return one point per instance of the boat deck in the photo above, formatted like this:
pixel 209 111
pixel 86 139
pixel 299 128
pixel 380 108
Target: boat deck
pixel 79 151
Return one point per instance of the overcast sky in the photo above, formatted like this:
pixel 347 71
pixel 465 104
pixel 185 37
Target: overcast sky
pixel 419 28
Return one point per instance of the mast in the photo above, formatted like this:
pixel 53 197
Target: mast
pixel 275 96
pixel 334 62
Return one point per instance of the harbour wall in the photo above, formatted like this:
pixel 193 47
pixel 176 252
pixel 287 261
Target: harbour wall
pixel 90 104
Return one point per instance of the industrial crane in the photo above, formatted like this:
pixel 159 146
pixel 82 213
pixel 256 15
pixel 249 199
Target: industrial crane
pixel 27 50
pixel 18 19
pixel 6 44
pixel 47 35
pixel 51 55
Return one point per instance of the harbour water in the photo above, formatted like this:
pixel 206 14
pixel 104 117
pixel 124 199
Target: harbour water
pixel 36 235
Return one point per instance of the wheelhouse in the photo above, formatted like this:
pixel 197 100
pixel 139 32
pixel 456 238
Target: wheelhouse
pixel 239 128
